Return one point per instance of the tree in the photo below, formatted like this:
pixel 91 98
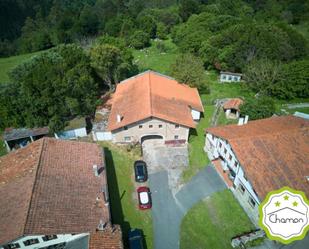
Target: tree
pixel 262 74
pixel 262 107
pixel 162 31
pixel 293 81
pixel 189 69
pixel 187 8
pixel 53 87
pixel 106 59
pixel 139 39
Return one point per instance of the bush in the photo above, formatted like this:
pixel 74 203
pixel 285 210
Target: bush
pixel 139 40
pixel 162 31
pixel 262 107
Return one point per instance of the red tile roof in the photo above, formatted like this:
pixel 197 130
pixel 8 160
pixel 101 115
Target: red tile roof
pixel 232 104
pixel 274 152
pixel 151 94
pixel 110 238
pixel 49 187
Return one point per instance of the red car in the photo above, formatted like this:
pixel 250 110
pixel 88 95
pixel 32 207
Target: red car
pixel 144 198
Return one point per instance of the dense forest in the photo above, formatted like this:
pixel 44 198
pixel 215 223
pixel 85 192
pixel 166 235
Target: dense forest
pixel 88 42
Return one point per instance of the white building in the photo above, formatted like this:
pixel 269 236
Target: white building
pixel 260 156
pixel 230 77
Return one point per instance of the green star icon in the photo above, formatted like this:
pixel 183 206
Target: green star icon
pixel 295 203
pixel 277 204
pixel 286 198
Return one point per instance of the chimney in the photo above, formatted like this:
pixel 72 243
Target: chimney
pixel 246 119
pixel 118 118
pixel 95 170
pixel 240 121
pixel 101 226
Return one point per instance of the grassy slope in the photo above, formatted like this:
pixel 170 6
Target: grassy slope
pixel 124 206
pixel 6 64
pixel 153 58
pixel 213 222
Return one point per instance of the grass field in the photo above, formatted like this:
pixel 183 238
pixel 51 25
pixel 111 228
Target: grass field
pixel 197 156
pixel 213 222
pixel 124 206
pixel 7 64
pixel 156 59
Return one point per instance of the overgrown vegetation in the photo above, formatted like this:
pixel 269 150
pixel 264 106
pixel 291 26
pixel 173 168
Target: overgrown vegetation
pixel 213 222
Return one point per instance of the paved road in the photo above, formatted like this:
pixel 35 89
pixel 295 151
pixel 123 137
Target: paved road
pixel 168 209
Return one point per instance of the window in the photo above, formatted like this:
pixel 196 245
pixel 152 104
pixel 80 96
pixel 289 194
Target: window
pixel 235 164
pixel 176 126
pixel 127 139
pixel 252 202
pixel 125 127
pixel 49 237
pixel 176 137
pixel 30 242
pixel 235 78
pixel 224 77
pixel 140 126
pixel 242 188
pixel 245 177
pixel 11 246
pixel 160 126
pixel 225 150
pixel 213 136
pixel 230 157
pixel 220 144
pixel 230 77
pixel 150 126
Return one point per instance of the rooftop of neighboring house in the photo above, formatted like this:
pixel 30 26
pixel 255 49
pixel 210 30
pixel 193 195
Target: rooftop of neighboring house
pixel 233 104
pixel 274 152
pixel 14 134
pixel 230 73
pixel 49 187
pixel 151 94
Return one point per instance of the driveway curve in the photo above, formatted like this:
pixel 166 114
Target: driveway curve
pixel 168 210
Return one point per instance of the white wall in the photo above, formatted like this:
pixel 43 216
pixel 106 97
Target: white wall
pixel 196 115
pixel 214 151
pixel 61 238
pixel 81 132
pixel 102 136
pixel 229 78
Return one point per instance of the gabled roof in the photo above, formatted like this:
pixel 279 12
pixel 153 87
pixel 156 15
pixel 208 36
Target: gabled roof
pixel 151 94
pixel 233 104
pixel 13 134
pixel 49 187
pixel 230 73
pixel 274 152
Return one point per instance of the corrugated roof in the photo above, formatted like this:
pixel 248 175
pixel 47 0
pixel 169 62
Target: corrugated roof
pixel 151 94
pixel 233 104
pixel 13 134
pixel 274 152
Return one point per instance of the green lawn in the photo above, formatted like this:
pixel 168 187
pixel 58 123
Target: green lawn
pixel 2 148
pixel 291 111
pixel 124 206
pixel 197 156
pixel 6 64
pixel 154 59
pixel 213 222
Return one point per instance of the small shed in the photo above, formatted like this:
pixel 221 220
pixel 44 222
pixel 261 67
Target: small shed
pixel 18 138
pixel 231 108
pixel 230 77
pixel 76 128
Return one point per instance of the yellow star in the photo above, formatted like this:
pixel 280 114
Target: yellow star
pixel 277 204
pixel 286 198
pixel 295 203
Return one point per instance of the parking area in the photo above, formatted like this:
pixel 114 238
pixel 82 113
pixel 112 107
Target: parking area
pixel 171 159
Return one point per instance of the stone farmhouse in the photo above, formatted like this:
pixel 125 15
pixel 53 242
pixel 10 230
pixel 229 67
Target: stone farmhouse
pixel 151 105
pixel 54 195
pixel 261 156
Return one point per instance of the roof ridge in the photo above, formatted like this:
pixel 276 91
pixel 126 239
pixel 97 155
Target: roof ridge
pixel 150 93
pixel 34 183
